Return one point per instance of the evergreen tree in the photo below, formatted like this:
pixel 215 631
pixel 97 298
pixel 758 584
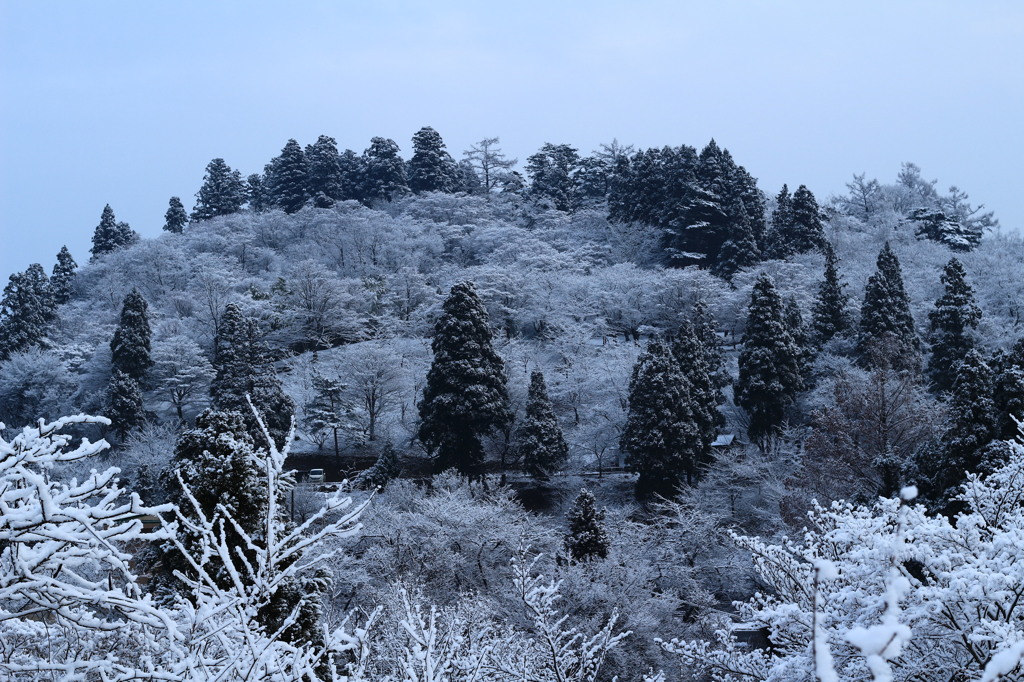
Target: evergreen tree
pixel 130 347
pixel 244 367
pixel 830 317
pixel 431 168
pixel 383 172
pixel 971 427
pixel 222 193
pixel 808 231
pixel 886 335
pixel 467 179
pixel 740 247
pixel 465 394
pixel 62 280
pixel 124 404
pixel 540 441
pixel 951 321
pixel 1009 391
pixel 704 327
pixel 801 335
pixel 769 364
pixel 586 538
pixel 324 174
pixel 705 393
pixel 661 438
pixel 288 178
pixel 384 469
pixel 329 409
pixel 778 245
pixel 257 194
pixel 553 175
pixel 27 311
pixel 110 234
pixel 176 217
pixel 352 173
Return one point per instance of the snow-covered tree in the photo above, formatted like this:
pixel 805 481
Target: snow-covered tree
pixel 431 168
pixel 26 311
pixel 586 538
pixel 887 335
pixel 952 321
pixel 181 372
pixel 383 172
pixel 539 439
pixel 176 217
pixel 287 178
pixel 130 347
pixel 492 166
pixel 110 234
pixel 222 193
pixel 124 403
pixel 830 316
pixel 62 277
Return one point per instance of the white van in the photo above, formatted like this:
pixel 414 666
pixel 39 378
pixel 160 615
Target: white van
pixel 317 476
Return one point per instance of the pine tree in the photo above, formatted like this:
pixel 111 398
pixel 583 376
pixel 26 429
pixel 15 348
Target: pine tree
pixel 330 409
pixel 465 394
pixel 110 234
pixel 800 334
pixel 289 177
pixel 27 311
pixel 971 427
pixel 808 230
pixel 130 347
pixel 223 192
pixel 383 171
pixel 431 168
pixel 324 173
pixel 704 327
pixel 244 367
pixel 540 442
pixel 553 175
pixel 176 217
pixel 1009 390
pixel 693 361
pixel 661 438
pixel 951 321
pixel 769 364
pixel 740 247
pixel 385 469
pixel 124 404
pixel 830 317
pixel 586 538
pixel 257 194
pixel 777 240
pixel 62 280
pixel 887 336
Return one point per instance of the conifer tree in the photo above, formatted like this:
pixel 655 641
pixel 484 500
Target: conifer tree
pixel 808 231
pixel 705 393
pixel 385 469
pixel 323 166
pixel 62 279
pixel 289 177
pixel 329 409
pixel 553 175
pixel 383 172
pixel 801 335
pixel 777 240
pixel 124 404
pixel 540 442
pixel 26 311
pixel 830 317
pixel 465 394
pixel 661 437
pixel 490 163
pixel 256 193
pixel 130 347
pixel 971 427
pixel 586 538
pixel 431 168
pixel 244 367
pixel 704 328
pixel 740 247
pixel 769 364
pixel 1009 390
pixel 175 218
pixel 222 193
pixel 110 234
pixel 887 336
pixel 951 321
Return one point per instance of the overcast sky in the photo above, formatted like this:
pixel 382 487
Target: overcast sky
pixel 126 102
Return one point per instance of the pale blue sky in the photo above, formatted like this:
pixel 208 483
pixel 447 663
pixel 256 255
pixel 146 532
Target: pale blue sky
pixel 126 102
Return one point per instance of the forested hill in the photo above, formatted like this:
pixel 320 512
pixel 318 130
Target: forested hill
pixel 731 351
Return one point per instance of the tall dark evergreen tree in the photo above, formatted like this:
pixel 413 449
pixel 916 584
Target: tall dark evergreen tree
pixel 175 218
pixel 808 230
pixel 887 336
pixel 540 442
pixel 739 250
pixel 553 173
pixel 586 538
pixel 257 194
pixel 830 316
pixel 694 361
pixel 288 178
pixel 777 239
pixel 769 364
pixel 1009 390
pixel 110 234
pixel 800 333
pixel 465 395
pixel 971 427
pixel 383 170
pixel 431 168
pixel 62 279
pixel 244 367
pixel 323 166
pixel 27 311
pixel 662 439
pixel 130 347
pixel 952 320
pixel 353 171
pixel 223 192
pixel 124 405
